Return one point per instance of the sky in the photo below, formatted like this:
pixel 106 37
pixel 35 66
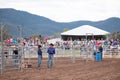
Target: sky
pixel 67 10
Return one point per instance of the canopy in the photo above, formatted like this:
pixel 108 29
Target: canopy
pixel 85 30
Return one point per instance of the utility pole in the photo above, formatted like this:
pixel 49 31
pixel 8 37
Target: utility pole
pixel 2 48
pixel 19 30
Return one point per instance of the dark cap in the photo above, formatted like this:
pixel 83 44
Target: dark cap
pixel 51 44
pixel 39 46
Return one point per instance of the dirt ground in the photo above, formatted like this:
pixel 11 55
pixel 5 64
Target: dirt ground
pixel 107 69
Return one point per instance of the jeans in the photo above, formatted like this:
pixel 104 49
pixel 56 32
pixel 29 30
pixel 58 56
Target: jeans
pixel 15 59
pixel 39 60
pixel 50 60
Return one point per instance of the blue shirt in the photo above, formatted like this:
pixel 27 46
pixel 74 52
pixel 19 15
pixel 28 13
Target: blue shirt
pixel 39 52
pixel 115 43
pixel 51 50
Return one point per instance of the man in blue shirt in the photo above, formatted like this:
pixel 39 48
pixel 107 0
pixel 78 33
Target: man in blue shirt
pixel 39 56
pixel 51 52
pixel 100 48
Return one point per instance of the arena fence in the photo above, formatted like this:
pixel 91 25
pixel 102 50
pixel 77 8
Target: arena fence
pixel 25 55
pixel 72 54
pixel 82 53
pixel 111 52
pixel 10 61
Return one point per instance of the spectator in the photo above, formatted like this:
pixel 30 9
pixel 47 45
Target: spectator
pixel 100 49
pixel 15 52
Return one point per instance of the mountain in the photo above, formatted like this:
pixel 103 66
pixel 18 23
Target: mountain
pixel 34 24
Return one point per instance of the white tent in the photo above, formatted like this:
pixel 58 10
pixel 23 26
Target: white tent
pixel 85 30
pixel 54 40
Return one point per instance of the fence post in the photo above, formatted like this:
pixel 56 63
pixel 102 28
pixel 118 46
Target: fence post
pixel 2 48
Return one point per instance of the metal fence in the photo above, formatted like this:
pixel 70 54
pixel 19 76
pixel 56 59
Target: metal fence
pixel 72 54
pixel 9 60
pixel 81 53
